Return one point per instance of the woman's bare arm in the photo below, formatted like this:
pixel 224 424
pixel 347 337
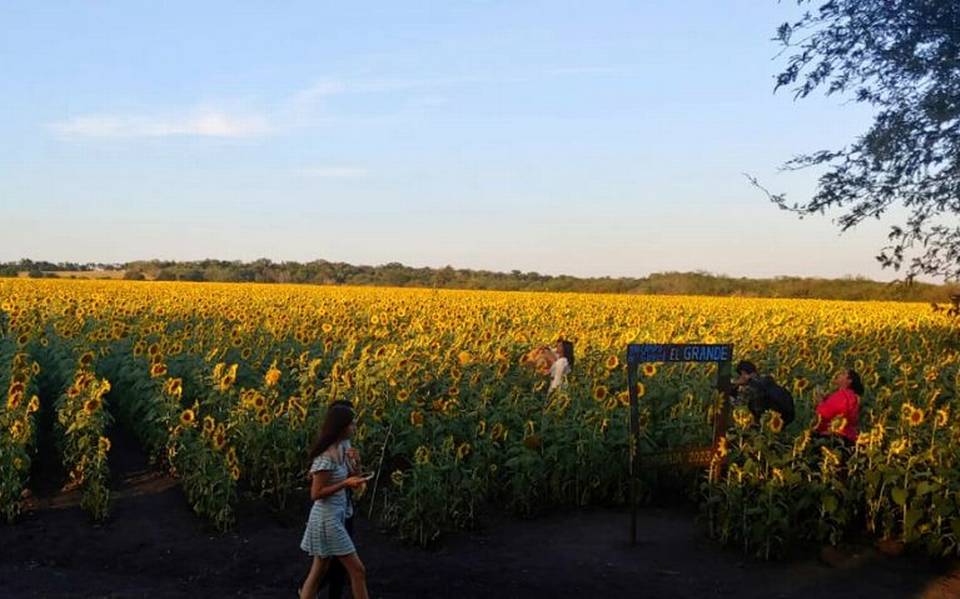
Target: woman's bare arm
pixel 320 487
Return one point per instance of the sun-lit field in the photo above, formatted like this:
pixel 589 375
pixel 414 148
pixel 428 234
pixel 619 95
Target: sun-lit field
pixel 226 385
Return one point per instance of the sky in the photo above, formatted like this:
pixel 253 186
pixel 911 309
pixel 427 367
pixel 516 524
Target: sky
pixel 585 138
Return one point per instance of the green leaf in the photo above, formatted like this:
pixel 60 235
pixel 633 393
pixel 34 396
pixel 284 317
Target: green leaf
pixel 899 496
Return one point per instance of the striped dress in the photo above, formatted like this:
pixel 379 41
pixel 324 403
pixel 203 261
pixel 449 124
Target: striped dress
pixel 326 535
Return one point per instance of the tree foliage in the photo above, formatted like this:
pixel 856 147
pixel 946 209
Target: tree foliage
pixel 901 57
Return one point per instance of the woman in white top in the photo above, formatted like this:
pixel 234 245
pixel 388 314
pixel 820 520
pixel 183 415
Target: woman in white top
pixel 561 362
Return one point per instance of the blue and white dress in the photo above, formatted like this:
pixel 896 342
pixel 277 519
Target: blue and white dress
pixel 326 534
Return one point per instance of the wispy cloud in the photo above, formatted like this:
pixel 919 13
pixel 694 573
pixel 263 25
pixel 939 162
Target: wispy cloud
pixel 199 124
pixel 333 172
pixel 303 108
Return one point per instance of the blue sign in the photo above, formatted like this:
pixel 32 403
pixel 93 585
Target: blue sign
pixel 678 352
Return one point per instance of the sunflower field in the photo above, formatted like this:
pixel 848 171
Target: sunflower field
pixel 226 385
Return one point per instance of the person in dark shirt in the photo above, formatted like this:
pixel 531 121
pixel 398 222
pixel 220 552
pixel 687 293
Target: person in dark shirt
pixel 761 393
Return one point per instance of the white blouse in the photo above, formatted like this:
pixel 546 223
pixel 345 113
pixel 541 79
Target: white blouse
pixel 558 371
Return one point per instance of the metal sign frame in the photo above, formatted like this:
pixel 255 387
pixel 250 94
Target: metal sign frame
pixel 640 353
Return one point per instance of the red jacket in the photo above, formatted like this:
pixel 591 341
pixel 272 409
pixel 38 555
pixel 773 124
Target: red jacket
pixel 845 403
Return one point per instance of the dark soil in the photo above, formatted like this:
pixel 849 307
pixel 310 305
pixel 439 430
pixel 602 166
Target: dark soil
pixel 153 546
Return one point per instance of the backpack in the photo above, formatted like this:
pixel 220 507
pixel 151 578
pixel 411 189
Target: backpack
pixel 778 398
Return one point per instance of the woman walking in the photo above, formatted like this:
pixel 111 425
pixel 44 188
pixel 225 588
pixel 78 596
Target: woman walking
pixel 326 536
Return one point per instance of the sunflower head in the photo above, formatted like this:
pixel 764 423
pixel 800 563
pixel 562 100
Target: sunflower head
pixel 272 377
pixel 188 417
pixel 600 392
pixel 775 422
pixel 422 455
pixel 916 417
pixel 943 417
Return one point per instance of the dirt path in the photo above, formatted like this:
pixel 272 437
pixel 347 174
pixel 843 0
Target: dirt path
pixel 153 546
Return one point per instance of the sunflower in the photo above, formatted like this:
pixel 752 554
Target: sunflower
pixel 641 389
pixel 612 362
pixel 600 393
pixel 481 428
pixel 649 369
pixel 775 422
pixel 943 417
pixel 396 477
pixel 722 447
pixel 464 358
pixel 416 418
pixel 91 405
pixel 830 458
pixel 906 410
pixel 463 450
pixel 742 417
pixel 422 455
pixel 916 417
pixel 227 381
pixel 17 431
pixel 801 384
pixel 219 440
pixel 208 424
pixel 187 417
pixel 34 405
pixel 899 446
pixel 272 377
pixel 235 472
pixel 13 400
pixel 158 369
pixel 174 387
pixel 403 395
pixel 838 424
pixel 103 445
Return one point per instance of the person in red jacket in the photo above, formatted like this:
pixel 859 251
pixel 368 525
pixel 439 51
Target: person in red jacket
pixel 842 403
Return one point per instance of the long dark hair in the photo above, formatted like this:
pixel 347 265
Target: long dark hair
pixel 855 383
pixel 338 418
pixel 567 351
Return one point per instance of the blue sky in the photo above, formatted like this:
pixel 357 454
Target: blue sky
pixel 600 138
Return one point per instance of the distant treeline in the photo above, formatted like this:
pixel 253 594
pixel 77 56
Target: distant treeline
pixel 321 272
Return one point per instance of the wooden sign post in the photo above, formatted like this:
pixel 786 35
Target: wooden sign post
pixel 640 353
